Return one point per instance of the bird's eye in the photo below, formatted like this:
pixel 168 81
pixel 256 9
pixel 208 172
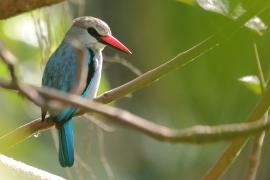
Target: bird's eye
pixel 93 32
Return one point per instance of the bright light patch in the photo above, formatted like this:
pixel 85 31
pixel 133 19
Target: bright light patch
pixel 257 25
pixel 252 83
pixel 23 28
pixel 250 79
pixel 30 73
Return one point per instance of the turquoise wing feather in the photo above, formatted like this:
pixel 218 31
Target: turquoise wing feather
pixel 60 73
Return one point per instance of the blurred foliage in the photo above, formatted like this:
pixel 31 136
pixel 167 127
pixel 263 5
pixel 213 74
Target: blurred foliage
pixel 224 7
pixel 252 83
pixel 206 91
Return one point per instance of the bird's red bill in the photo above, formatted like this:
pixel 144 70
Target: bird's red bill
pixel 110 40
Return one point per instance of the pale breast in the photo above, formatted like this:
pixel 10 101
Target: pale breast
pixel 95 81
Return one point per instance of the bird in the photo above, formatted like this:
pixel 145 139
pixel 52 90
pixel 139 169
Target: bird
pixel 61 71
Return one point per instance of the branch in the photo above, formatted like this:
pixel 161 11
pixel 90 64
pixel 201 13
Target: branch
pixel 12 169
pixel 231 152
pixel 20 134
pixel 123 62
pixel 10 60
pixel 81 72
pixel 99 124
pixel 234 149
pixel 9 8
pixel 255 157
pixel 195 134
pixel 179 60
pixel 154 74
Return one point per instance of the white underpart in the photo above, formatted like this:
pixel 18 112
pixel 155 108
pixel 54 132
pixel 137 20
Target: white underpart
pixel 82 36
pixel 98 60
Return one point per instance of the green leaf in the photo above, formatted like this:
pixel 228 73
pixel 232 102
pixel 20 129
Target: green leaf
pixel 252 83
pixel 223 7
pixel 230 9
pixel 257 25
pixel 218 6
pixel 189 2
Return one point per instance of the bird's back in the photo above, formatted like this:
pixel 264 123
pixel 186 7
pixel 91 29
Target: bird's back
pixel 60 71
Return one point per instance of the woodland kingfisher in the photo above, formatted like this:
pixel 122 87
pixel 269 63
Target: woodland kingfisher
pixel 61 69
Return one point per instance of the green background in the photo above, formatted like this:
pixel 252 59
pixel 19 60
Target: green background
pixel 206 91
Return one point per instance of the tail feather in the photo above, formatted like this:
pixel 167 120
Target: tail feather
pixel 66 151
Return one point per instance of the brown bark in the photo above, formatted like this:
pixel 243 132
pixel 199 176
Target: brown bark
pixel 9 8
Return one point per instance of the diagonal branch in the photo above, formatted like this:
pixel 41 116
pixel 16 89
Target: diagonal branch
pixel 18 170
pixel 231 152
pixel 123 62
pixel 10 60
pixel 234 149
pixel 179 60
pixel 195 134
pixel 255 157
pixel 156 73
pixel 9 8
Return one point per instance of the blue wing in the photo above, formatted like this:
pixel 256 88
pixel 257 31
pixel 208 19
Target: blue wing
pixel 60 73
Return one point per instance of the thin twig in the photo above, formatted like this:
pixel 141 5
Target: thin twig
pixel 99 123
pixel 77 169
pixel 123 62
pixel 38 33
pixel 48 12
pixel 85 166
pixel 103 158
pixel 69 174
pixel 254 160
pixel 234 149
pixel 255 157
pixel 156 73
pixel 259 69
pixel 100 127
pixel 10 60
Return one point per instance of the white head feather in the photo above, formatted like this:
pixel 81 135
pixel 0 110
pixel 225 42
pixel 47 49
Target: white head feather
pixel 79 32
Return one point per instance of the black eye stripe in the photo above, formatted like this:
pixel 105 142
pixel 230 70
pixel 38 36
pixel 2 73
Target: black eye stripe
pixel 93 32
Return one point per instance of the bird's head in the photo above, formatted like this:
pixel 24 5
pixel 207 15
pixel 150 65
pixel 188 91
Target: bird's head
pixel 93 33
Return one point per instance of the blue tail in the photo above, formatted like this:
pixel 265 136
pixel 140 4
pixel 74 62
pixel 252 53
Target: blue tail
pixel 66 151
